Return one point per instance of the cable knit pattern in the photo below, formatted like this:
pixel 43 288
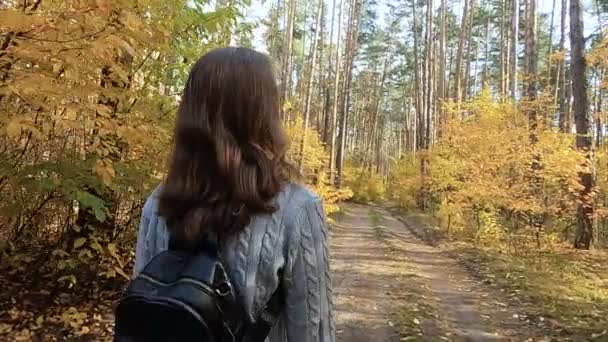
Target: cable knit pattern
pixel 328 282
pixel 265 265
pixel 288 247
pixel 312 275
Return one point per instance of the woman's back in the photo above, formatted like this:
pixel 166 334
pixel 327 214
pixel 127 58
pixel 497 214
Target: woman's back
pixel 287 248
pixel 228 178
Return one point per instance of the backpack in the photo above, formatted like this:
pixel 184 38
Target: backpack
pixel 187 296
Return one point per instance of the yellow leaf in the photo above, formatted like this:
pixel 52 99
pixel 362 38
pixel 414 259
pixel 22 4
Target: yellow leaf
pixel 79 242
pixel 114 253
pixel 121 272
pixel 13 129
pixel 96 246
pixel 5 328
pixel 105 169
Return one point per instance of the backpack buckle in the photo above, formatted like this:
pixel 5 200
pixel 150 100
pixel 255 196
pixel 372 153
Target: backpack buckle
pixel 224 289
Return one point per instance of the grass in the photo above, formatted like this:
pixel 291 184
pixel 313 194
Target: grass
pixel 377 220
pixel 566 287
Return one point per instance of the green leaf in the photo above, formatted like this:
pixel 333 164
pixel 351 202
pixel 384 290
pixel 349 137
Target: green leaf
pixel 93 203
pixel 79 242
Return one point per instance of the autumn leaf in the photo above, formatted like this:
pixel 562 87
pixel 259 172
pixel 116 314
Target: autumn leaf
pixel 114 253
pixel 121 273
pixel 13 129
pixel 104 169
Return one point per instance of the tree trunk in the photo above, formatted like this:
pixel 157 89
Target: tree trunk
pixel 429 107
pixel 313 64
pixel 584 232
pixel 486 63
pixel 514 34
pixel 550 52
pixel 332 146
pixel 503 50
pixel 288 55
pixel 467 73
pixel 564 125
pixel 442 64
pixel 327 100
pixel 417 88
pixel 531 57
pixel 349 64
pixel 462 36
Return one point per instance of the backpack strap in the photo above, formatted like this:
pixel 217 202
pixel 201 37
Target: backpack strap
pixel 258 331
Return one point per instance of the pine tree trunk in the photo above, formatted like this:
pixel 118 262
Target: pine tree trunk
pixel 441 88
pixel 466 78
pixel 484 78
pixel 349 65
pixel 288 55
pixel 531 57
pixel 503 51
pixel 336 87
pixel 550 52
pixel 564 125
pixel 584 232
pixel 514 35
pixel 462 36
pixel 328 80
pixel 417 88
pixel 313 65
pixel 429 107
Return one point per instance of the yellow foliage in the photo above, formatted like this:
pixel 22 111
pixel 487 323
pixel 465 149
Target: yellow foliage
pixel 482 177
pixel 315 163
pixel 367 185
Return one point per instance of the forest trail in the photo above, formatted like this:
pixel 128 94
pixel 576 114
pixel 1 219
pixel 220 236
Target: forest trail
pixel 380 268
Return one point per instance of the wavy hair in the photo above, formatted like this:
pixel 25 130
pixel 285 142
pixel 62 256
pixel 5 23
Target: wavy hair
pixel 228 160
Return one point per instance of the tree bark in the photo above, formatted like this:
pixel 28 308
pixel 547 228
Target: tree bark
pixel 349 64
pixel 313 64
pixel 514 34
pixel 442 64
pixel 550 52
pixel 486 63
pixel 584 231
pixel 332 147
pixel 417 79
pixel 531 57
pixel 429 107
pixel 503 50
pixel 462 36
pixel 327 100
pixel 564 124
pixel 466 88
pixel 286 74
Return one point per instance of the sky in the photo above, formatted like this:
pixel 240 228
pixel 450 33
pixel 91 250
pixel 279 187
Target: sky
pixel 259 10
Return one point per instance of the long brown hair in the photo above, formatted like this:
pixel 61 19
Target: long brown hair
pixel 228 160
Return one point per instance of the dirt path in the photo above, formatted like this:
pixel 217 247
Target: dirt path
pixel 380 267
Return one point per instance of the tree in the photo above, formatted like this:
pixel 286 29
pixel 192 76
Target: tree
pixel 313 65
pixel 351 53
pixel 584 232
pixel 336 87
pixel 463 33
pixel 286 74
pixel 564 120
pixel 514 55
pixel 441 88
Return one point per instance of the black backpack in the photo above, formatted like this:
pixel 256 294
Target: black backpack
pixel 187 296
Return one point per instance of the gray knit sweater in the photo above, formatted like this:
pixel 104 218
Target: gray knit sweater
pixel 289 246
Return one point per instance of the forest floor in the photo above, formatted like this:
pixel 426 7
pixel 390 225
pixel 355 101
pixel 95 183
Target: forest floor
pixel 393 285
pixel 395 279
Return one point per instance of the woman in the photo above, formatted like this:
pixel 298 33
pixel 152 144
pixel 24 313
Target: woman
pixel 228 177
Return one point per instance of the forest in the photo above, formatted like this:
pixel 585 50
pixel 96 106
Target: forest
pixel 485 119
